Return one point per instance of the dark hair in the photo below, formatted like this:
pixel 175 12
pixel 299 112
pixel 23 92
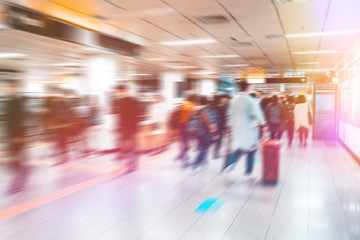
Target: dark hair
pixel 301 99
pixel 291 99
pixel 192 98
pixel 243 85
pixel 274 99
pixel 121 87
pixel 253 95
pixel 203 100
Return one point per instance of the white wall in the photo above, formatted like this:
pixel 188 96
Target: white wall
pixel 168 85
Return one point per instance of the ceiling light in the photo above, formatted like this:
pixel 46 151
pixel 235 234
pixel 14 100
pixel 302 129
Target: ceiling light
pixel 305 63
pixel 255 80
pixel 221 56
pixel 204 73
pixel 181 67
pixel 12 55
pixel 236 65
pixel 188 42
pixel 139 74
pixel 315 52
pixel 319 34
pixel 316 70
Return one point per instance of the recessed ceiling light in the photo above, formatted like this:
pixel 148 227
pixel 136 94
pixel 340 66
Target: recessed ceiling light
pixel 12 55
pixel 318 34
pixel 236 65
pixel 315 52
pixel 188 42
pixel 221 56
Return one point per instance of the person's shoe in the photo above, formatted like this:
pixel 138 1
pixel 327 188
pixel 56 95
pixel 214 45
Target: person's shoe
pixel 250 176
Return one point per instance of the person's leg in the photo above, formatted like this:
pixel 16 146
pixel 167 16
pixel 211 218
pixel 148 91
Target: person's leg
pixel 231 159
pixel 290 128
pixel 218 143
pixel 250 162
pixel 280 130
pixel 202 152
pixel 133 153
pixel 301 133
pixel 306 134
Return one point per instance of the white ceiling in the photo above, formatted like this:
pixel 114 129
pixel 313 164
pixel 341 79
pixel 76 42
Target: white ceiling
pixel 153 21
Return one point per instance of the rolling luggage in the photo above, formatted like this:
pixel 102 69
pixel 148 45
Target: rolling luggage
pixel 271 158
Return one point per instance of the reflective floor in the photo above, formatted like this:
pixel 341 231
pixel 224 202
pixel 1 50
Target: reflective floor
pixel 317 197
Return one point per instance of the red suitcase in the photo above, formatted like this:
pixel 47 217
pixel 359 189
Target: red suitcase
pixel 271 157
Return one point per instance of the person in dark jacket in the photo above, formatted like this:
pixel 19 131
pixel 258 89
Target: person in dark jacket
pixel 128 114
pixel 15 118
pixel 290 118
pixel 275 117
pixel 221 110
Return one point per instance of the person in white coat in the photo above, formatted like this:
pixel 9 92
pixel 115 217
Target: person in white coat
pixel 245 116
pixel 303 116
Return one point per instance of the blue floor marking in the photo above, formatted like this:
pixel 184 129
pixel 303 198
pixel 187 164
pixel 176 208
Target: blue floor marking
pixel 210 204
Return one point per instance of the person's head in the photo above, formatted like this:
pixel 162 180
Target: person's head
pixel 301 99
pixel 253 95
pixel 274 99
pixel 203 100
pixel 260 94
pixel 121 90
pixel 244 86
pixel 291 99
pixel 192 98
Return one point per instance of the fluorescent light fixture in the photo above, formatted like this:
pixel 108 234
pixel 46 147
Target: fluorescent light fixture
pixel 181 67
pixel 236 65
pixel 316 70
pixel 222 56
pixel 188 42
pixel 315 52
pixel 255 80
pixel 305 63
pixel 318 34
pixel 12 55
pixel 204 73
pixel 139 74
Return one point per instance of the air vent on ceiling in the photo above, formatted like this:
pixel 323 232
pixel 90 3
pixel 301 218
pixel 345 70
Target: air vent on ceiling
pixel 275 36
pixel 241 44
pixel 256 58
pixel 213 19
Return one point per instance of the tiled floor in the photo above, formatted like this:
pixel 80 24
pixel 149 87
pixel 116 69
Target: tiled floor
pixel 317 197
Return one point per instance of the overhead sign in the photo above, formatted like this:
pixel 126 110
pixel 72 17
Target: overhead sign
pixel 24 19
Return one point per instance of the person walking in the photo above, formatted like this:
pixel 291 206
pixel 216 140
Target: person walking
pixel 244 115
pixel 128 114
pixel 275 117
pixel 186 110
pixel 303 119
pixel 290 118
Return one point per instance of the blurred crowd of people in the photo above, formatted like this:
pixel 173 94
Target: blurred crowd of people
pixel 229 125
